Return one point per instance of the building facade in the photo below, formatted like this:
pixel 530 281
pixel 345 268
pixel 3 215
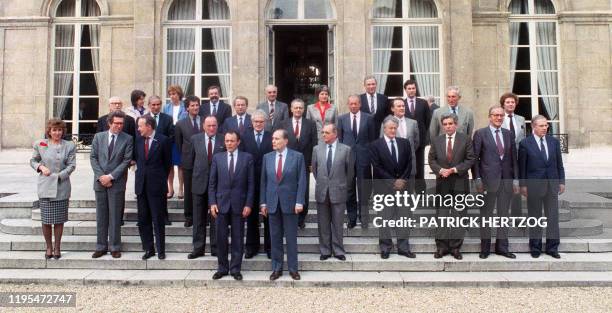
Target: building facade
pixel 66 58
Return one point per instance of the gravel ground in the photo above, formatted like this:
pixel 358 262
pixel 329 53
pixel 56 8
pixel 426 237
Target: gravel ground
pixel 179 299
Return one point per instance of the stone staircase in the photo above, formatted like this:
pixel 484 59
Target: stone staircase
pixel 22 261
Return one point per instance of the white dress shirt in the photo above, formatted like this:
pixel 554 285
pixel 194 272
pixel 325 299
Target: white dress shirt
pixel 358 116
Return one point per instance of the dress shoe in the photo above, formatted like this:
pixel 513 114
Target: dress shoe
pixel 218 275
pixel 237 276
pixel 439 253
pixel 364 225
pixel 57 256
pixel 148 255
pixel 250 255
pixel 48 256
pixel 122 223
pixel 195 255
pixel 275 275
pixel 98 254
pixel 340 257
pixel 535 254
pixel 269 255
pixel 324 257
pixel 508 255
pixel 483 255
pixel 351 224
pixel 188 223
pixel 295 275
pixel 168 223
pixel 302 225
pixel 161 256
pixel 213 253
pixel 456 254
pixel 408 254
pixel 554 254
pixel 116 254
pixel 384 255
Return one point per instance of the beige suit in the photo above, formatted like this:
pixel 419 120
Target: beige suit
pixel 61 161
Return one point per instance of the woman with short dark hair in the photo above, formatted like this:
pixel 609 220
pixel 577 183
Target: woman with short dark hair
pixel 54 160
pixel 322 112
pixel 137 97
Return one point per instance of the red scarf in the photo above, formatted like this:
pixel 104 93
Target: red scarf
pixel 322 110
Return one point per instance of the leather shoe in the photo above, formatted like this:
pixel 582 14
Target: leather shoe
pixel 269 254
pixel 483 255
pixel 148 255
pixel 213 253
pixel 250 255
pixel 509 255
pixel 340 257
pixel 168 223
pixel 351 224
pixel 554 254
pixel 384 255
pixel 195 255
pixel 324 257
pixel 188 223
pixel 535 254
pixel 98 254
pixel 302 225
pixel 275 275
pixel 439 254
pixel 295 275
pixel 456 254
pixel 237 276
pixel 408 254
pixel 122 223
pixel 218 275
pixel 116 254
pixel 161 256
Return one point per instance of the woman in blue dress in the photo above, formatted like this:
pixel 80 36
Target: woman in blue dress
pixel 175 108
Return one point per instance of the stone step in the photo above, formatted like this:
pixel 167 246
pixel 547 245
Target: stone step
pixel 305 244
pixel 577 227
pixel 176 215
pixel 198 278
pixel 310 262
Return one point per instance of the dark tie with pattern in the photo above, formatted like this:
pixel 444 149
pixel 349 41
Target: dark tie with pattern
pixel 258 139
pixel 511 124
pixel 240 125
pixel 209 150
pixel 372 105
pixel 231 166
pixel 498 143
pixel 214 111
pixel 146 148
pixel 195 126
pixel 449 149
pixel 393 153
pixel 543 149
pixel 454 111
pixel 279 167
pixel 412 107
pixel 111 146
pixel 355 126
pixel 329 159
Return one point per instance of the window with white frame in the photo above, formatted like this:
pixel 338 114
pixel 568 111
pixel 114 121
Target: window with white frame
pixel 534 69
pixel 76 65
pixel 300 10
pixel 198 46
pixel 406 45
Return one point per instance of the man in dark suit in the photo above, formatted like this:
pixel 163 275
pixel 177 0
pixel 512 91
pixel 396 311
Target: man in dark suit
pixel 153 160
pixel 450 158
pixel 376 104
pixel 276 111
pixel 164 126
pixel 215 107
pixel 418 110
pixel 111 154
pixel 204 145
pixel 282 193
pixel 542 180
pixel 129 125
pixel 257 142
pixel 230 196
pixel 241 122
pixel 303 138
pixel 183 131
pixel 392 164
pixel 495 171
pixel 356 129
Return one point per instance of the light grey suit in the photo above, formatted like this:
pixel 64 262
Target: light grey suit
pixel 331 192
pixel 412 134
pixel 465 124
pixel 331 117
pixel 61 161
pixel 519 127
pixel 281 112
pixel 110 201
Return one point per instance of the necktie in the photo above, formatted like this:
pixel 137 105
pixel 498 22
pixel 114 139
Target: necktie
pixel 393 153
pixel 240 125
pixel 402 129
pixel 214 111
pixel 500 147
pixel 329 159
pixel 296 131
pixel 271 112
pixel 543 149
pixel 156 117
pixel 355 126
pixel 146 148
pixel 454 111
pixel 209 150
pixel 195 126
pixel 258 139
pixel 372 105
pixel 449 150
pixel 412 107
pixel 111 146
pixel 511 124
pixel 279 167
pixel 231 165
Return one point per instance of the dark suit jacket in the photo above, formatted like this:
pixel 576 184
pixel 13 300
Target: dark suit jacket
pixel 534 170
pixel 308 137
pixel 199 155
pixel 152 172
pixel 488 166
pixel 365 135
pixel 290 190
pixel 462 159
pixel 248 144
pixel 224 111
pixel 129 125
pixel 232 124
pixel 382 110
pixel 422 115
pixel 387 168
pixel 232 193
pixel 183 131
pixel 165 125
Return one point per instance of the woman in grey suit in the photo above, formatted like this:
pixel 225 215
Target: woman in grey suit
pixel 54 160
pixel 322 112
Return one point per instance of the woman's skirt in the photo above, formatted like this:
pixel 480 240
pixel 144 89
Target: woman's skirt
pixel 176 155
pixel 53 212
